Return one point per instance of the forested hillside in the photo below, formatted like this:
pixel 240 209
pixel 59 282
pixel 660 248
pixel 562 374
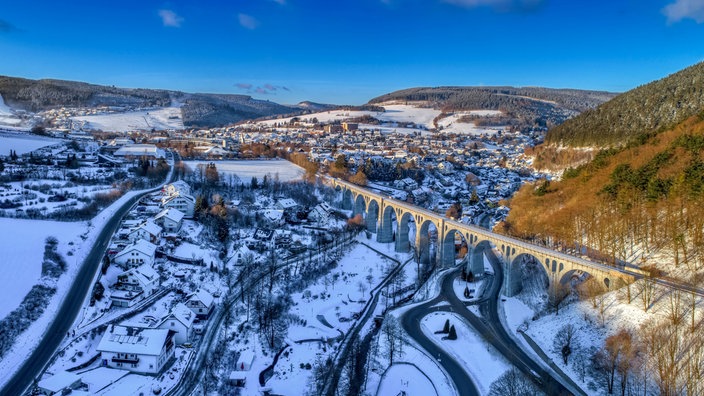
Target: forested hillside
pixel 645 110
pixel 198 109
pixel 637 201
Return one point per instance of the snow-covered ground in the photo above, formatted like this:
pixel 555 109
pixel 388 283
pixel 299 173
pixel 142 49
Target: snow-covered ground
pixel 422 117
pixel 7 116
pixel 483 363
pixel 246 170
pixel 159 119
pixel 405 377
pixel 22 253
pixel 333 301
pixel 23 143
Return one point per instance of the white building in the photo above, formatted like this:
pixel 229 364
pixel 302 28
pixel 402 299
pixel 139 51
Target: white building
pixel 286 204
pixel 136 254
pixel 148 230
pixel 138 350
pixel 320 213
pixel 133 285
pixel 182 202
pixel 170 220
pixel 180 320
pixel 201 303
pixel 177 187
pixel 139 150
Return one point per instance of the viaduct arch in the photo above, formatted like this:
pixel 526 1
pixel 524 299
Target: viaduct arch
pixel 380 212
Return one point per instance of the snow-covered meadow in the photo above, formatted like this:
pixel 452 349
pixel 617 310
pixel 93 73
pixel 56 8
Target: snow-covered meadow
pixel 22 252
pixel 23 143
pixel 145 120
pixel 247 169
pixel 423 117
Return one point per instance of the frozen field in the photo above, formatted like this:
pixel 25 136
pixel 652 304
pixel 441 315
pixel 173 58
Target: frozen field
pixel 246 170
pixel 22 252
pixel 23 144
pixel 159 119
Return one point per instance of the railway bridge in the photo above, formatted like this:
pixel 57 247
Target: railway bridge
pixel 380 212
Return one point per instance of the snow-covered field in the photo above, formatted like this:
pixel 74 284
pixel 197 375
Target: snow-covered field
pixel 159 119
pixel 405 377
pixel 22 253
pixel 246 170
pixel 7 116
pixel 23 144
pixel 482 361
pixel 400 113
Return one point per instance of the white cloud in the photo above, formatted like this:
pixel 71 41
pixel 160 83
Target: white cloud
pixel 684 9
pixel 170 18
pixel 499 5
pixel 248 21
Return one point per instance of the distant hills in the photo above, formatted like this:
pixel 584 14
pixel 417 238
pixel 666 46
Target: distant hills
pixel 198 109
pixel 650 108
pixel 530 105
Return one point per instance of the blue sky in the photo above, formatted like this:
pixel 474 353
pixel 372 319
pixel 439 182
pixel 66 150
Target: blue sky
pixel 348 51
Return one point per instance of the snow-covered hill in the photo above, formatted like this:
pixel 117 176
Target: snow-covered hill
pixel 397 117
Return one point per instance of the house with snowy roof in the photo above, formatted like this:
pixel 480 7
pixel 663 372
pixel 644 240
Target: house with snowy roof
pixel 138 253
pixel 133 285
pixel 147 230
pixel 63 382
pixel 170 220
pixel 177 187
pixel 145 351
pixel 286 204
pixel 320 213
pixel 183 202
pixel 180 320
pixel 201 303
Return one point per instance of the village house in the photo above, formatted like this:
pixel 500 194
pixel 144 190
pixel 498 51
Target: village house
pixel 61 383
pixel 180 320
pixel 136 254
pixel 170 220
pixel 147 230
pixel 133 285
pixel 183 202
pixel 145 351
pixel 201 303
pixel 286 204
pixel 320 213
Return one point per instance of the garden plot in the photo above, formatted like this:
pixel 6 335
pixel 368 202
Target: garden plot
pixel 47 196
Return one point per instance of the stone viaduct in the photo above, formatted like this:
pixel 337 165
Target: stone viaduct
pixel 380 212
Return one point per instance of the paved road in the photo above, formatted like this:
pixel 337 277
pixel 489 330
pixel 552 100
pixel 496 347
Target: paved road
pixel 489 327
pixel 34 364
pixel 410 321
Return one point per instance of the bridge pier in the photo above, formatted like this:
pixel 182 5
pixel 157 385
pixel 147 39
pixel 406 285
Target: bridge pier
pixel 380 211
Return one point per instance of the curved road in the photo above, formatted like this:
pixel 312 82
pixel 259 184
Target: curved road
pixel 490 329
pixel 410 321
pixel 34 364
